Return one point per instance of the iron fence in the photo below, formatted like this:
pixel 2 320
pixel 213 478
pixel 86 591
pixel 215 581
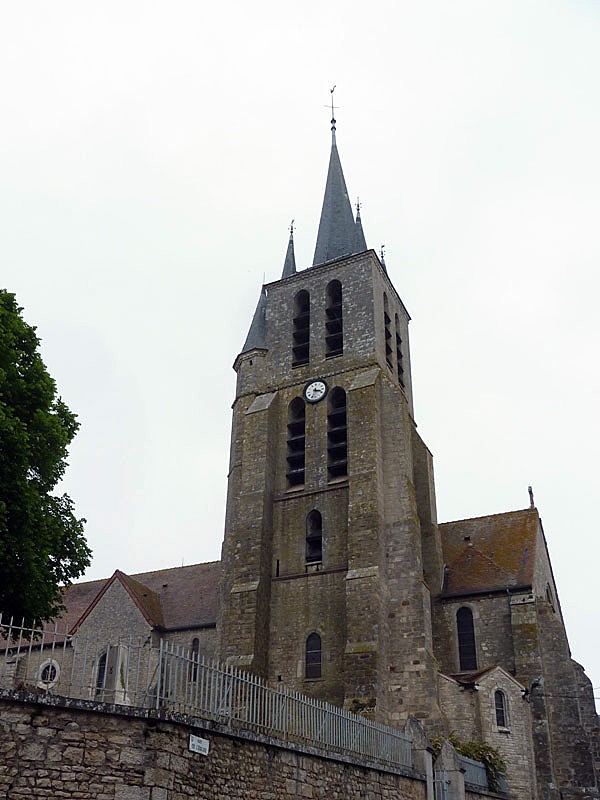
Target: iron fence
pixel 141 674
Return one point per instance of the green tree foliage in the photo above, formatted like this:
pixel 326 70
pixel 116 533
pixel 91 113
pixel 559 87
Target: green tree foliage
pixel 494 764
pixel 42 546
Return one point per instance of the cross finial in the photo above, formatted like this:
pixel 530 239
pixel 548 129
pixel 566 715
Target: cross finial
pixel 331 91
pixel 292 229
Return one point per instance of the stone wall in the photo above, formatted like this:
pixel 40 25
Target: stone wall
pixel 81 752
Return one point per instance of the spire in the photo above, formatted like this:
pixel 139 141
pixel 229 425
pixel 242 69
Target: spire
pixel 337 229
pixel 256 338
pixel 289 265
pixel 360 243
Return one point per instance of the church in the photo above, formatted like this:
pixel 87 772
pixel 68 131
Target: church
pixel 336 578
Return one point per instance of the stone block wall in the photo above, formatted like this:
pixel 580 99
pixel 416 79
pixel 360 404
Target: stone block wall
pixel 81 753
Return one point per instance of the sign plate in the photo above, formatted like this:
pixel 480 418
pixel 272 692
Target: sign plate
pixel 199 745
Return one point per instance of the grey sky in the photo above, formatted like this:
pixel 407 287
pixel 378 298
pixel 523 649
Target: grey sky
pixel 152 156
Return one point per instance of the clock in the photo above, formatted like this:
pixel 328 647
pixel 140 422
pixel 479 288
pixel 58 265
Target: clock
pixel 315 391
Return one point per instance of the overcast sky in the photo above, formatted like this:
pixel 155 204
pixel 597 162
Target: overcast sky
pixel 152 156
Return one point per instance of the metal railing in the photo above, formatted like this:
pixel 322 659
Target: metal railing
pixel 475 773
pixel 142 674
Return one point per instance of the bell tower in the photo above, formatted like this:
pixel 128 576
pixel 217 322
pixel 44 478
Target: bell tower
pixel 331 546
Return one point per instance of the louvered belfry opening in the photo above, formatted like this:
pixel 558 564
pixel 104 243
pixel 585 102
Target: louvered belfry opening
pixel 399 361
pixel 301 329
pixel 337 435
pixel 467 652
pixel 334 323
pixel 387 325
pixel 296 442
pixel 314 537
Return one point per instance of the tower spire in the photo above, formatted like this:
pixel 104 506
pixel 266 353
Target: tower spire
pixel 337 230
pixel 289 265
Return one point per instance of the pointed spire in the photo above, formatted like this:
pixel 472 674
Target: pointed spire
pixel 336 235
pixel 256 338
pixel 360 243
pixel 289 265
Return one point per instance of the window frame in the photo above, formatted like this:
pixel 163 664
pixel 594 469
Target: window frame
pixel 313 666
pixel 466 639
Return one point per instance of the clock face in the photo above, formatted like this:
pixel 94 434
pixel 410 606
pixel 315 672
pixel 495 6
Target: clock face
pixel 315 391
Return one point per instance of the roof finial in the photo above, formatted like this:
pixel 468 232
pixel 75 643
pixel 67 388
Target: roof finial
pixel 331 91
pixel 382 254
pixel 292 229
pixel 357 209
pixel 531 502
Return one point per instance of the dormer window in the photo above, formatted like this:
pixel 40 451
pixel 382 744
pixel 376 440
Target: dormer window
pixel 301 329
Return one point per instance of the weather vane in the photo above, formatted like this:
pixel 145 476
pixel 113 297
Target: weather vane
pixel 331 91
pixel 292 228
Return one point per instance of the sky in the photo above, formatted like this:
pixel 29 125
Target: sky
pixel 152 157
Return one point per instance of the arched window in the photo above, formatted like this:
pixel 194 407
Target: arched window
pixel 314 537
pixel 337 434
pixel 501 709
pixel 296 442
pixel 313 656
pixel 467 654
pixel 387 329
pixel 194 656
pixel 301 329
pixel 334 324
pixel 399 361
pixel 101 674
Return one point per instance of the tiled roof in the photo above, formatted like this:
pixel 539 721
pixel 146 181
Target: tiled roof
pixel 490 553
pixel 180 597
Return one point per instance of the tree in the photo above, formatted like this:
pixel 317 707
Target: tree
pixel 42 546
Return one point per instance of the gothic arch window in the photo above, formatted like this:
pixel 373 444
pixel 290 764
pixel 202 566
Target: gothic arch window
pixel 101 674
pixel 334 323
pixel 399 358
pixel 313 656
pixel 296 442
pixel 337 434
pixel 387 329
pixel 314 537
pixel 301 329
pixel 501 707
pixel 467 654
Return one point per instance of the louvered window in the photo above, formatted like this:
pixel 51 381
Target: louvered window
pixel 337 434
pixel 399 361
pixel 296 442
pixel 334 323
pixel 387 329
pixel 467 653
pixel 314 537
pixel 301 329
pixel 313 656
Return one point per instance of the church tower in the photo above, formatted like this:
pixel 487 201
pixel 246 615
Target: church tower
pixel 331 548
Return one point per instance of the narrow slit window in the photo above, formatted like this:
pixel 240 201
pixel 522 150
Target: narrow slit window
pixel 314 537
pixel 501 710
pixel 301 329
pixel 387 329
pixel 337 434
pixel 313 656
pixel 296 442
pixel 399 358
pixel 194 657
pixel 334 323
pixel 467 654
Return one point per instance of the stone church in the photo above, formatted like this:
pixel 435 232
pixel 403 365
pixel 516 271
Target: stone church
pixel 336 577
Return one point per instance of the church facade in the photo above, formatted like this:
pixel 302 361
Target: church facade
pixel 336 578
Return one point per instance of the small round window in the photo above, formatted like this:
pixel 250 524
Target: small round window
pixel 48 674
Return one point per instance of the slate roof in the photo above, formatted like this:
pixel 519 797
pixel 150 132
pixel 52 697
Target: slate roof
pixel 258 328
pixel 337 234
pixel 180 597
pixel 490 553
